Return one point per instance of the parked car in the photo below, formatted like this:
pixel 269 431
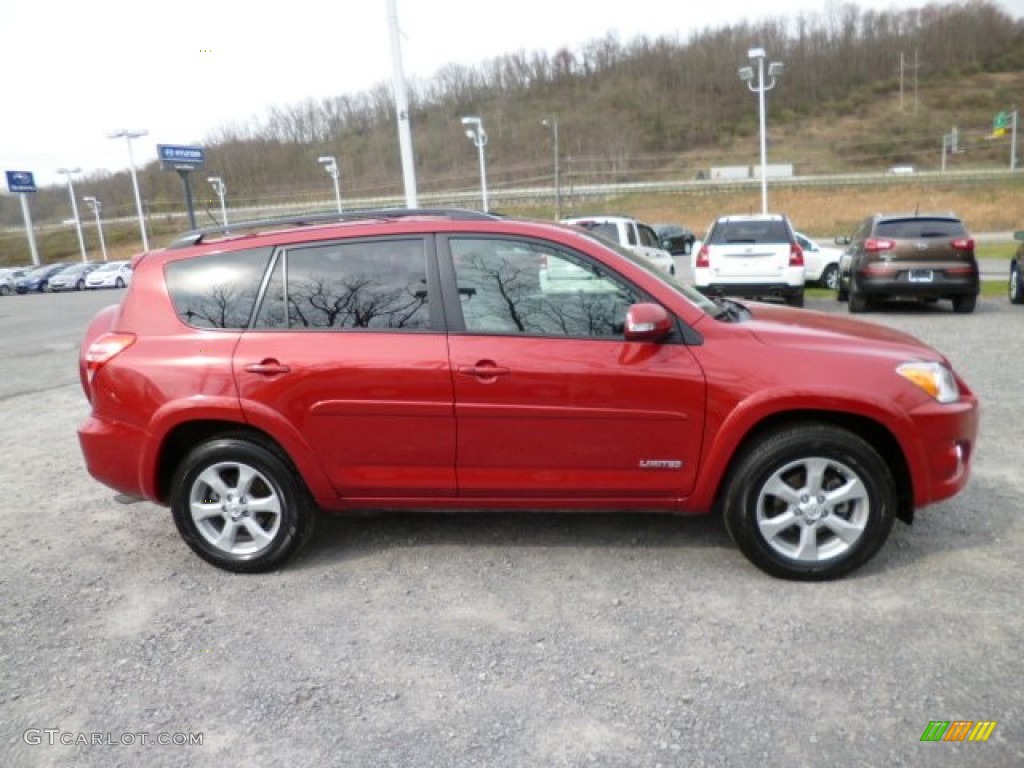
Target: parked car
pixel 112 274
pixel 628 233
pixel 9 277
pixel 675 238
pixel 911 255
pixel 71 278
pixel 821 263
pixel 418 359
pixel 756 256
pixel 38 279
pixel 1015 288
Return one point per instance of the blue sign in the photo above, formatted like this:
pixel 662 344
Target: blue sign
pixel 20 181
pixel 180 158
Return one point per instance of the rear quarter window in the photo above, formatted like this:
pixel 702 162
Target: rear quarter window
pixel 218 290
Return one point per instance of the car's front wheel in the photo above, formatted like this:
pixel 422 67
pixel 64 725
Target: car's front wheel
pixel 1015 289
pixel 240 505
pixel 810 502
pixel 119 283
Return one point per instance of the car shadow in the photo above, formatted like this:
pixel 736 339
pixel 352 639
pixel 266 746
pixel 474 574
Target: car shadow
pixel 347 535
pixel 980 517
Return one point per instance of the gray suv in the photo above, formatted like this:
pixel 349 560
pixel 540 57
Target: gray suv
pixel 920 256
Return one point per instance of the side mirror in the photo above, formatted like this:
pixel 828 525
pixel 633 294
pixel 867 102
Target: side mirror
pixel 647 322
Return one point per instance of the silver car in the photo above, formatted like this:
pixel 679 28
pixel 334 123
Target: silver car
pixel 112 274
pixel 72 277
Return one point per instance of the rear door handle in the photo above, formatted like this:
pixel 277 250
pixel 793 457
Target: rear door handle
pixel 484 370
pixel 269 367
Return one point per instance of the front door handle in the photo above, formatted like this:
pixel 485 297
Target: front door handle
pixel 268 367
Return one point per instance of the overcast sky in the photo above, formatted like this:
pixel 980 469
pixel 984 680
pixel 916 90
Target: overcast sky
pixel 75 71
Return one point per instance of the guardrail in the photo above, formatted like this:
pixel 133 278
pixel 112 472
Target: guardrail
pixel 541 194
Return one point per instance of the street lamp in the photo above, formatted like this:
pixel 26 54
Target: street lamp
pixel 97 206
pixel 552 123
pixel 74 208
pixel 128 135
pixel 330 164
pixel 220 189
pixel 478 136
pixel 747 75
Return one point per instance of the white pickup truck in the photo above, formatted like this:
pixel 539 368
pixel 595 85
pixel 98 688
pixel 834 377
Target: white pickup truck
pixel 629 233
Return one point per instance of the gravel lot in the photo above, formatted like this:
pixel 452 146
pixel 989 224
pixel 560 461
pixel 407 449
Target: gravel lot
pixel 497 639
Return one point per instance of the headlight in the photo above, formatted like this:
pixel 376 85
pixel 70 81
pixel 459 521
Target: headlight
pixel 934 378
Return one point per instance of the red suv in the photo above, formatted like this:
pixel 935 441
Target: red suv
pixel 453 359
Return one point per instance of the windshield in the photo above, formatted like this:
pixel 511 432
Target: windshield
pixel 688 291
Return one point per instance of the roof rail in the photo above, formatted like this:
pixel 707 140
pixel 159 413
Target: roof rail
pixel 196 236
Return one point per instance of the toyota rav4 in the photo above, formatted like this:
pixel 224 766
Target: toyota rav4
pixel 449 359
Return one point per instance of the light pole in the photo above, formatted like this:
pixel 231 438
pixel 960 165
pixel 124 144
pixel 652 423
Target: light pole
pixel 552 123
pixel 128 135
pixel 478 136
pixel 330 164
pixel 747 75
pixel 220 189
pixel 97 206
pixel 74 208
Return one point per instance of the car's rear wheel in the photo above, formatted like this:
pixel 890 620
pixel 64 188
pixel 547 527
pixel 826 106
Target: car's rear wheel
pixel 858 302
pixel 830 277
pixel 119 283
pixel 795 299
pixel 810 502
pixel 4 290
pixel 965 304
pixel 240 505
pixel 1015 289
pixel 80 285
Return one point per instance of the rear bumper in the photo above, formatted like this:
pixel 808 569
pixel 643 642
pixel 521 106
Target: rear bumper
pixel 899 283
pixel 112 451
pixel 751 290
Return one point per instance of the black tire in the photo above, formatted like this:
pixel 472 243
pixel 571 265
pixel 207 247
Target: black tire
pixel 866 513
pixel 80 285
pixel 119 283
pixel 858 302
pixel 4 290
pixel 272 503
pixel 795 299
pixel 965 304
pixel 1015 290
pixel 830 277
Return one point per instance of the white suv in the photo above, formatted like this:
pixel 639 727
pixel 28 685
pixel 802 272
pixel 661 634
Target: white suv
pixel 628 233
pixel 756 256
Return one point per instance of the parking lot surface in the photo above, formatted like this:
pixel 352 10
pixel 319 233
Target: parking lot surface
pixel 499 639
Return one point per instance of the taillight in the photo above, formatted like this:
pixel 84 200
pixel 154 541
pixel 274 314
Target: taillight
pixel 877 244
pixel 703 259
pixel 963 244
pixel 105 349
pixel 796 255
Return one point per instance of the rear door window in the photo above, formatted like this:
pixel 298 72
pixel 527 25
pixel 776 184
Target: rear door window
pixel 354 285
